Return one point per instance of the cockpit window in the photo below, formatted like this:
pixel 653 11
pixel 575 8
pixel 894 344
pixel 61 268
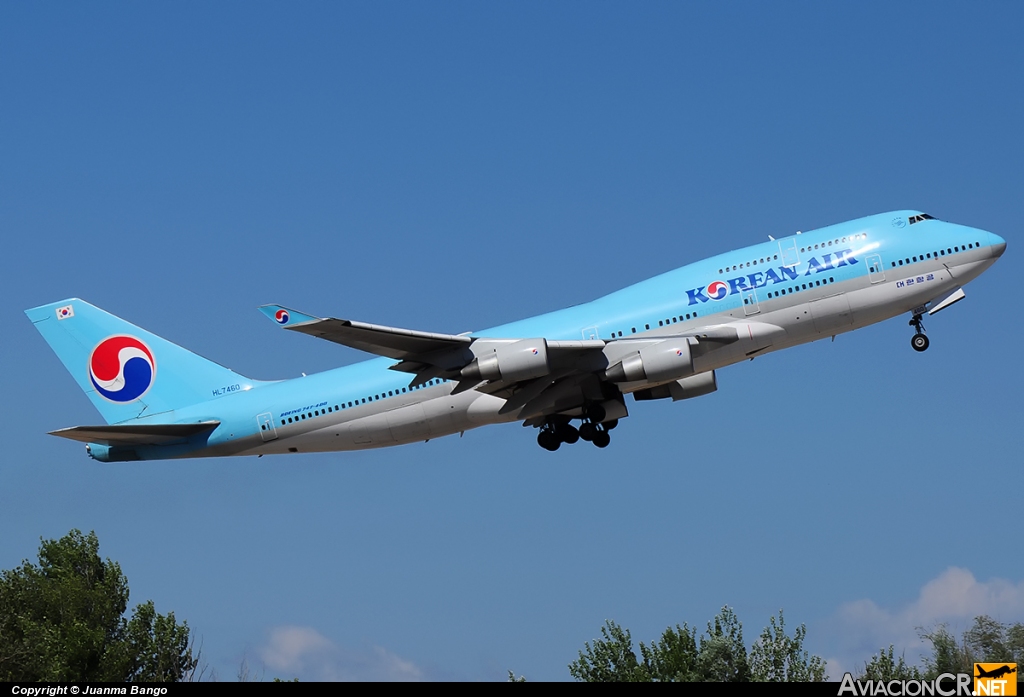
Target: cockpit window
pixel 919 218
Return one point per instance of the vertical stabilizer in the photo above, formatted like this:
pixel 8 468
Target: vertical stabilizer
pixel 126 371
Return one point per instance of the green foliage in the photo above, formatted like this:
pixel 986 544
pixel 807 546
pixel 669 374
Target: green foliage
pixel 777 657
pixel 885 667
pixel 673 658
pixel 947 656
pixel 723 656
pixel 719 656
pixel 986 641
pixel 63 620
pixel 610 659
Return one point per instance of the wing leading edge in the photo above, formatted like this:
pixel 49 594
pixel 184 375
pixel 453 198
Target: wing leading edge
pixel 391 342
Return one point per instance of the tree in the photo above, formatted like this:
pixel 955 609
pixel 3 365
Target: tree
pixel 63 620
pixel 673 658
pixel 723 656
pixel 777 657
pixel 884 667
pixel 986 641
pixel 610 659
pixel 719 656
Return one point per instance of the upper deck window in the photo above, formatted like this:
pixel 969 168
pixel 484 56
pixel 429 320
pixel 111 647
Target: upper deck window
pixel 919 218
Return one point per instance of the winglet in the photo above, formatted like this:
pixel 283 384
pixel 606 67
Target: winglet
pixel 287 317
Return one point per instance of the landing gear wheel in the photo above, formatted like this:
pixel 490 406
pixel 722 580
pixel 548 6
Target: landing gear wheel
pixel 595 413
pixel 588 431
pixel 610 424
pixel 602 439
pixel 567 433
pixel 919 341
pixel 548 440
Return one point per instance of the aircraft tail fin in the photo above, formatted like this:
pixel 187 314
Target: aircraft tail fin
pixel 126 371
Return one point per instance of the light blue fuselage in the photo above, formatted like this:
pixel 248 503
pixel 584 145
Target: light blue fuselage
pixel 781 292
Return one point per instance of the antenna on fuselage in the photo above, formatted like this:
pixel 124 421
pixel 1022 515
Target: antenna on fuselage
pixel 771 238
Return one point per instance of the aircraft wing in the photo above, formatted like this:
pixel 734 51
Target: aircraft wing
pixel 427 354
pixel 135 434
pixel 400 344
pixel 529 373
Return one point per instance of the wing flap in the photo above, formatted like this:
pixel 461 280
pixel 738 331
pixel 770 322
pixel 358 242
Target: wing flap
pixel 135 434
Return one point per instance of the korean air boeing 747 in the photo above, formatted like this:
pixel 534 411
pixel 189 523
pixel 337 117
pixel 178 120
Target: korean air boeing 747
pixel 663 338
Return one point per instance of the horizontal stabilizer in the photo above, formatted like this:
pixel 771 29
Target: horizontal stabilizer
pixel 372 338
pixel 135 434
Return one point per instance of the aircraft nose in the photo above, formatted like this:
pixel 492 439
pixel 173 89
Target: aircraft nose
pixel 998 246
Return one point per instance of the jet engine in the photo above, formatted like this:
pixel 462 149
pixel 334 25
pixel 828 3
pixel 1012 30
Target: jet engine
pixel 665 360
pixel 510 362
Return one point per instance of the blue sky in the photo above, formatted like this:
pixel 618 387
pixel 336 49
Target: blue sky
pixel 449 167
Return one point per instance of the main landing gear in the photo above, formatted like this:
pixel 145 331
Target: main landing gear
pixel 556 431
pixel 919 341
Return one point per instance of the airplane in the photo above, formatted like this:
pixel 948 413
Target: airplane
pixel 662 338
pixel 995 672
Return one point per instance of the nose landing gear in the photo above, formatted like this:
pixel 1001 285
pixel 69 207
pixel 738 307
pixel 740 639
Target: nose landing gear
pixel 919 341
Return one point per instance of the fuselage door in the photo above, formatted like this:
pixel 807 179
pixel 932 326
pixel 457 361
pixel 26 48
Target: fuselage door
pixel 876 271
pixel 590 333
pixel 750 306
pixel 266 424
pixel 788 252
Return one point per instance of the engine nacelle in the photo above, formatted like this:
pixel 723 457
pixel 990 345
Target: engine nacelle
pixel 687 388
pixel 511 362
pixel 665 360
pixel 693 386
pixel 107 453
